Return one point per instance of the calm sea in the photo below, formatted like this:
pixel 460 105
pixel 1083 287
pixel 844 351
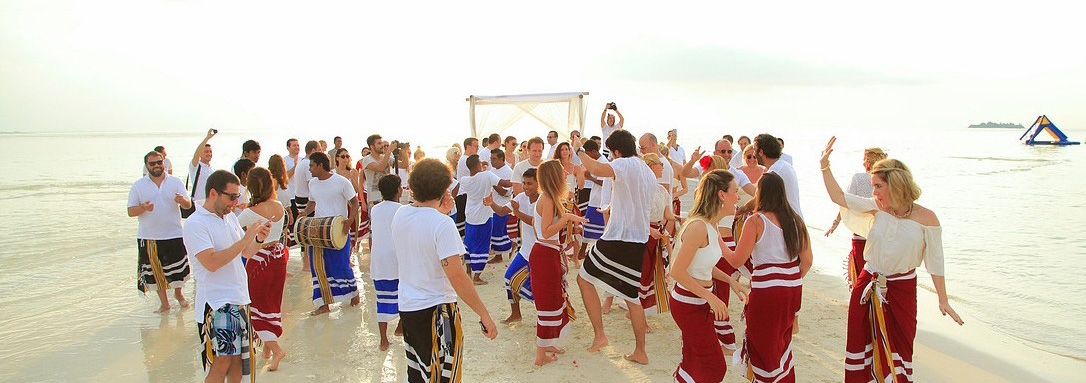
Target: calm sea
pixel 1010 214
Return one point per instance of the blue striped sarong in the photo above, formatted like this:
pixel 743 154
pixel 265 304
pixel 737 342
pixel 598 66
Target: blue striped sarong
pixel 387 294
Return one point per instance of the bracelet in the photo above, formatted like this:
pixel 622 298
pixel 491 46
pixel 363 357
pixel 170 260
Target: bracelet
pixel 826 168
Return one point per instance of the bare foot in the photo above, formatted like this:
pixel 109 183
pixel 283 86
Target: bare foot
pixel 554 350
pixel 162 309
pixel 181 301
pixel 320 310
pixel 637 357
pixel 496 259
pixel 597 344
pixel 399 329
pixel 276 358
pixel 512 319
pixel 305 270
pixel 478 281
pixel 356 300
pixel 728 352
pixel 384 345
pixel 541 360
pixel 290 274
pixel 267 352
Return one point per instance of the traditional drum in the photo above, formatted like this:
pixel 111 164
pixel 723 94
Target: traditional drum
pixel 326 232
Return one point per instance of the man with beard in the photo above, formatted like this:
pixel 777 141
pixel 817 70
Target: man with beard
pixel 161 260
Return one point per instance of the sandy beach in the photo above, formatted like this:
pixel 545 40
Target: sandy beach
pixel 342 346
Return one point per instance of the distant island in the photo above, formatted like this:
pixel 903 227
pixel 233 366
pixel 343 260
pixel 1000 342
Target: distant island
pixel 997 125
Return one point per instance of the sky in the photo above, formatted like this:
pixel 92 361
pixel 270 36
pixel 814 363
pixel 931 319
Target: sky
pixel 117 65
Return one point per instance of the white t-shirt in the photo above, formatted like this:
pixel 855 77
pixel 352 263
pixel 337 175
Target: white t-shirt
pixel 667 175
pixel 462 168
pixel 632 194
pixel 288 193
pixel 595 197
pixel 550 152
pixel 791 183
pixel 229 284
pixel 527 232
pixel 786 158
pixel 331 195
pixel 677 154
pixel 477 187
pixel 372 177
pixel 519 169
pixel 608 129
pixel 423 237
pixel 484 154
pixel 504 173
pixel 383 251
pixel 301 178
pixel 201 183
pixel 164 222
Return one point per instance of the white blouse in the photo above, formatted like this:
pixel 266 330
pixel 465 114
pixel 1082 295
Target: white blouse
pixel 894 245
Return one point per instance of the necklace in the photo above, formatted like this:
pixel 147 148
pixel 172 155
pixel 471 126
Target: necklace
pixel 907 213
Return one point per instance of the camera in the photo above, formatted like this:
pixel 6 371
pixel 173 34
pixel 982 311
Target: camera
pixel 612 106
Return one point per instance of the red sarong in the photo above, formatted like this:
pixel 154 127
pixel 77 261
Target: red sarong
pixel 702 359
pixel 775 295
pixel 653 276
pixel 267 272
pixel 881 328
pixel 553 310
pixel 362 228
pixel 724 332
pixel 856 260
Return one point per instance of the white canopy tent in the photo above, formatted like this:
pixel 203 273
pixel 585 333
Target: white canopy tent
pixel 562 112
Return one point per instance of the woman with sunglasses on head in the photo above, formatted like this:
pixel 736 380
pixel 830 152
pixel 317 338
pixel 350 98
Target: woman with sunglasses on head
pixel 343 168
pixel 900 236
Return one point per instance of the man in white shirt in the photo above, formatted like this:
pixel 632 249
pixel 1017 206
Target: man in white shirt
pixel 608 125
pixel 477 216
pixel 302 175
pixel 614 264
pixel 768 151
pixel 471 146
pixel 383 265
pixel 500 244
pixel 535 157
pixel 784 156
pixel 166 164
pixel 162 262
pixel 493 143
pixel 214 241
pixel 675 152
pixel 331 195
pixel 200 167
pixel 518 283
pixel 375 166
pixel 250 149
pixel 552 142
pixel 722 148
pixel 428 255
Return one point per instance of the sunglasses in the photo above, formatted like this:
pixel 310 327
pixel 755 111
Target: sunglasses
pixel 233 197
pixel 344 156
pixel 726 151
pixel 750 157
pixel 155 163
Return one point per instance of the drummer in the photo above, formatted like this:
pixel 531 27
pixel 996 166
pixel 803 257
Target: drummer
pixel 331 195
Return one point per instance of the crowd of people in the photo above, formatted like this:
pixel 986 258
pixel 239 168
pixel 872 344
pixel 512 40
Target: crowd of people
pixel 606 206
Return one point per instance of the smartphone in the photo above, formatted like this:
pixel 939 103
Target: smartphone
pixel 482 327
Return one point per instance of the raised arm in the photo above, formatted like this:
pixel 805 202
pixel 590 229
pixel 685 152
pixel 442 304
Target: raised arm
pixel 688 170
pixel 621 120
pixel 832 188
pixel 200 148
pixel 598 168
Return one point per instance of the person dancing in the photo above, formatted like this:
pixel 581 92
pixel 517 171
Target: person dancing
pixel 267 269
pixel 860 186
pixel 694 305
pixel 775 240
pixel 900 236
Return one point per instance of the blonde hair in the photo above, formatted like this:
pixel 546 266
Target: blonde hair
pixel 662 147
pixel 899 181
pixel 552 183
pixel 717 162
pixel 712 183
pixel 652 159
pixel 875 154
pixel 419 154
pixel 748 148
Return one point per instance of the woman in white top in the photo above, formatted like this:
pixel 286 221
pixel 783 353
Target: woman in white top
pixel 694 305
pixel 545 264
pixel 573 176
pixel 775 241
pixel 653 269
pixel 267 269
pixel 343 168
pixel 900 236
pixel 860 186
